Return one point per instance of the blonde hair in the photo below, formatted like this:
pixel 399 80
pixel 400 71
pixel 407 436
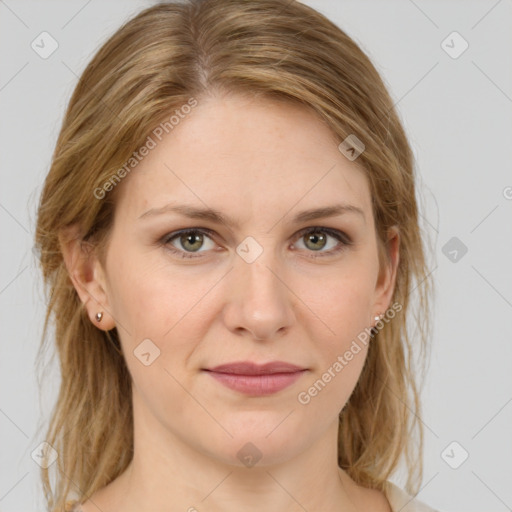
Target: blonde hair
pixel 151 66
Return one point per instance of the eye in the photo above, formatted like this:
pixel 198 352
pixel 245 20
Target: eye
pixel 316 239
pixel 189 240
pixel 187 243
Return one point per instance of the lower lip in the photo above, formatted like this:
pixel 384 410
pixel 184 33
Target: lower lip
pixel 257 385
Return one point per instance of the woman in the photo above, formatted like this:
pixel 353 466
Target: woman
pixel 229 233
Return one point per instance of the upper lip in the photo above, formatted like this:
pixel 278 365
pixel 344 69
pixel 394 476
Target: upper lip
pixel 250 368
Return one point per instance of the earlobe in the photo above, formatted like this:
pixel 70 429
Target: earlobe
pixel 86 274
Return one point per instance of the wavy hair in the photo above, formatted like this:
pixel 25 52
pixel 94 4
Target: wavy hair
pixel 148 68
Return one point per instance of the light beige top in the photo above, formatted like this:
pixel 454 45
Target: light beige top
pixel 399 500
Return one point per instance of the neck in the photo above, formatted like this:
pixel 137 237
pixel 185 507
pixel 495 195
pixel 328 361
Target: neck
pixel 172 475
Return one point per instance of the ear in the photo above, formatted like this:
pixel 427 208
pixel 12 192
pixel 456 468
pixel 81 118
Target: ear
pixel 87 275
pixel 387 275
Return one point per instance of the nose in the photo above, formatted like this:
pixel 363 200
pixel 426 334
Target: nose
pixel 260 302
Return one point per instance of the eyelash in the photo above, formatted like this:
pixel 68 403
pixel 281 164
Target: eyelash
pixel 342 237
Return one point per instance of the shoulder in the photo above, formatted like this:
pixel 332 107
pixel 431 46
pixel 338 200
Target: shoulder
pixel 403 502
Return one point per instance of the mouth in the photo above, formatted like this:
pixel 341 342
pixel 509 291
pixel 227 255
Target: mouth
pixel 255 379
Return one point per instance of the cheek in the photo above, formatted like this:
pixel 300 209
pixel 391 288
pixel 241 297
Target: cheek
pixel 153 300
pixel 151 307
pixel 343 302
pixel 145 298
pixel 340 341
pixel 341 337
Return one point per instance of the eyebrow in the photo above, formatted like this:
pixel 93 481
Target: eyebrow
pixel 216 216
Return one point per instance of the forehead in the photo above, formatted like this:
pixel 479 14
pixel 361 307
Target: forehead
pixel 249 156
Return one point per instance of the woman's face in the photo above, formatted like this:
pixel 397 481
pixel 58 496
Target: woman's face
pixel 255 288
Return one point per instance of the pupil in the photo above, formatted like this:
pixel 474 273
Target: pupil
pixel 191 237
pixel 315 238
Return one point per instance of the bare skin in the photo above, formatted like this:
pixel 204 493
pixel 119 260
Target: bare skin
pixel 259 163
pixel 363 499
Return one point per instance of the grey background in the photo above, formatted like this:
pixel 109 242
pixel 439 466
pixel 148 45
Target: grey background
pixel 457 113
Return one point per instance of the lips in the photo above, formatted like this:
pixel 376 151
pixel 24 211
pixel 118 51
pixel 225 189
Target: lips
pixel 249 368
pixel 257 379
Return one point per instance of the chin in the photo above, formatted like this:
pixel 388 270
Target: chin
pixel 258 445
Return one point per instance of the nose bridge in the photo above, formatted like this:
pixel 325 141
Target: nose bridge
pixel 262 303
